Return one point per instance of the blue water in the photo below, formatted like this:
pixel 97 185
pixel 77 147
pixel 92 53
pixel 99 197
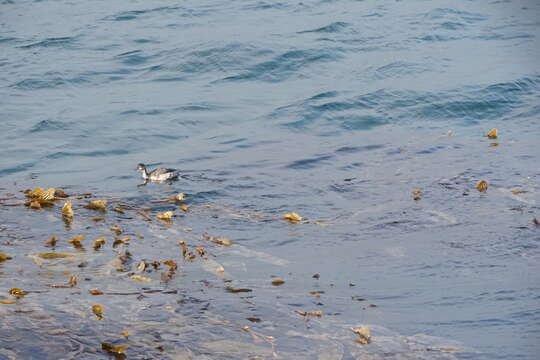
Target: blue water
pixel 332 109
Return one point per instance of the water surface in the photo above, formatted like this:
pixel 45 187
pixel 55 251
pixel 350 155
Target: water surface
pixel 335 110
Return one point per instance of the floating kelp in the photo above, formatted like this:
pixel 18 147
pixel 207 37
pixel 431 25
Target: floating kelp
pixel 364 335
pixel 113 350
pixel 218 240
pixel 316 313
pixel 166 216
pixel 16 292
pixel 184 208
pixel 53 255
pixel 417 193
pixel 100 205
pixel 292 217
pixel 67 211
pixel 99 242
pixel 493 133
pixel 7 301
pixel 178 197
pixel 119 210
pixel 76 241
pixel 98 311
pixel 140 278
pixel 51 242
pixel 4 257
pixel 235 290
pixel 117 229
pixel 278 282
pixel 482 186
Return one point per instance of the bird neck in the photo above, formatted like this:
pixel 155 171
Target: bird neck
pixel 144 173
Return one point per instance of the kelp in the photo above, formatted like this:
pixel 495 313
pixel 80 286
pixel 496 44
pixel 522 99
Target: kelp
pixel 292 218
pixel 364 335
pixel 100 205
pixel 4 257
pixel 98 311
pixel 482 186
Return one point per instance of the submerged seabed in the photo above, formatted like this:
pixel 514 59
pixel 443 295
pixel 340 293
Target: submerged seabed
pixel 335 110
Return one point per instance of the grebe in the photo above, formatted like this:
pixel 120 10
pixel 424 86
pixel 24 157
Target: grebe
pixel 161 174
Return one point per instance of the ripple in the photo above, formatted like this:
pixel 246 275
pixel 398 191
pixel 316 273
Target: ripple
pixel 331 28
pixel 48 125
pixel 97 153
pixel 64 42
pixel 309 163
pixel 286 65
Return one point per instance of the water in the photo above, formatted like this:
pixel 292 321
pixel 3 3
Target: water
pixel 335 110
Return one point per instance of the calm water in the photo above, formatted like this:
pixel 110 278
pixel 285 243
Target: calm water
pixel 335 110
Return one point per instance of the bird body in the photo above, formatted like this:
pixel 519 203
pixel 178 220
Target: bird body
pixel 161 174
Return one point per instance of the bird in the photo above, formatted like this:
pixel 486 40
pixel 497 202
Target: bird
pixel 159 175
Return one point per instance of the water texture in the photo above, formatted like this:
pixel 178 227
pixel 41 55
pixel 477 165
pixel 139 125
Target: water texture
pixel 335 110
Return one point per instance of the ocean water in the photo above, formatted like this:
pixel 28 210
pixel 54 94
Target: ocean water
pixel 333 109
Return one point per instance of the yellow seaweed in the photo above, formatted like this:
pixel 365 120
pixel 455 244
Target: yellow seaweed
pixel 493 133
pixel 98 311
pixel 4 257
pixel 97 205
pixel 16 292
pixel 167 215
pixel 482 186
pixel 67 210
pixel 292 217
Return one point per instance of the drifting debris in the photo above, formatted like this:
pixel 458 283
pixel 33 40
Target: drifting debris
pixel 364 335
pixel 73 280
pixel 117 229
pixel 493 133
pixel 171 264
pixel 277 282
pixel 36 205
pixel 536 222
pixel 482 186
pixel 178 197
pixel 417 193
pixel 316 313
pixel 95 292
pixel 7 301
pixel 16 292
pixel 182 244
pixel 100 205
pixel 316 276
pixel 4 257
pixel 54 255
pixel 119 210
pixel 67 211
pixel 51 241
pixel 235 290
pixel 166 216
pixel 218 240
pixel 113 350
pixel 118 241
pixel 184 208
pixel 76 241
pixel 98 311
pixel 125 333
pixel 99 242
pixel 293 218
pixel 140 278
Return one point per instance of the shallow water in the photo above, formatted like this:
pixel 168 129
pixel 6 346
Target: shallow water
pixel 335 110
